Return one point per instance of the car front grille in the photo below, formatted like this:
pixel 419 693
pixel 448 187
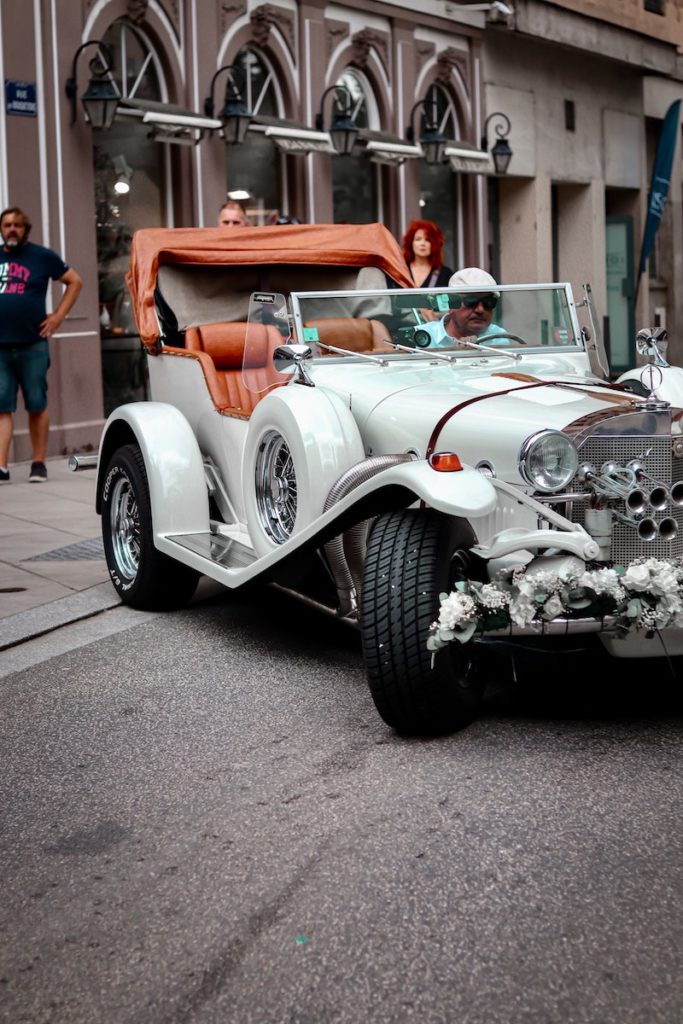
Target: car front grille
pixel 661 464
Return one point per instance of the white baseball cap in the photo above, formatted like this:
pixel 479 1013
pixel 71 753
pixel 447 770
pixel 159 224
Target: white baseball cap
pixel 473 277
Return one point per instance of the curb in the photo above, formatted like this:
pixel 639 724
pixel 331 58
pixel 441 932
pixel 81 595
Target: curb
pixel 27 625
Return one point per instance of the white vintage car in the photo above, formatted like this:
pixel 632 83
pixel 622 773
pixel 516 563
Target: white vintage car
pixel 312 426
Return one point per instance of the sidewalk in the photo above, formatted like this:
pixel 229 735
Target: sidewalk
pixel 52 568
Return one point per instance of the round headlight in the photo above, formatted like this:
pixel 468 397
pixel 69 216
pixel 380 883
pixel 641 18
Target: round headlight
pixel 548 460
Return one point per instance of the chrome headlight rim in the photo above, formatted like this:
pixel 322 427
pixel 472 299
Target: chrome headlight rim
pixel 527 449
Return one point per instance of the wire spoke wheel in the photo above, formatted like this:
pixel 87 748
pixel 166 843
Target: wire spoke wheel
pixel 125 528
pixel 276 487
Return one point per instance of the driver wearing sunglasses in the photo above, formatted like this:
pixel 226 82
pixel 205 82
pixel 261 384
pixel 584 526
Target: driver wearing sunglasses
pixel 472 319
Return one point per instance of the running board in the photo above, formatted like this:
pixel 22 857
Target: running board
pixel 217 549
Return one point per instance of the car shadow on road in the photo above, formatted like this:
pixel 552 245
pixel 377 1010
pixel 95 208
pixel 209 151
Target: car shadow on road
pixel 580 682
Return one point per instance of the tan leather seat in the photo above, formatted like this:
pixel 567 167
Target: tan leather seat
pixel 353 335
pixel 236 385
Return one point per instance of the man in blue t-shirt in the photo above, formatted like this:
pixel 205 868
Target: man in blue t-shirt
pixel 25 326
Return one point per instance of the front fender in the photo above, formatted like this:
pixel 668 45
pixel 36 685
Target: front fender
pixel 173 463
pixel 671 388
pixel 463 493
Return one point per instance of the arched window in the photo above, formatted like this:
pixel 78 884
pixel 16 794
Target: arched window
pixel 131 174
pixel 355 185
pixel 256 166
pixel 439 187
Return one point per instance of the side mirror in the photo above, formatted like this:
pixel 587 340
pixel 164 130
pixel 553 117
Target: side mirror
pixel 290 359
pixel 652 343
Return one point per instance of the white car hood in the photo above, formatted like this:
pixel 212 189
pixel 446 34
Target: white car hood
pixel 399 409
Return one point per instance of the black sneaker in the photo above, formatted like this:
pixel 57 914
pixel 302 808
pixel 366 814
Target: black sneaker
pixel 38 474
pixel 4 476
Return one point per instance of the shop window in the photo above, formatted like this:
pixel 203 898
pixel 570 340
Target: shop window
pixel 250 166
pixel 130 172
pixel 438 190
pixel 354 177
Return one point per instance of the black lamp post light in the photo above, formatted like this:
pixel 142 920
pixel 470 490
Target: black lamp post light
pixel 501 152
pixel 101 97
pixel 433 142
pixel 343 130
pixel 235 117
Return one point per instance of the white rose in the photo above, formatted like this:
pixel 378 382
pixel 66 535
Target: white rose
pixel 636 577
pixel 553 607
pixel 456 609
pixel 522 610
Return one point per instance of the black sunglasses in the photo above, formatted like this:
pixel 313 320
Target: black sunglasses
pixel 472 301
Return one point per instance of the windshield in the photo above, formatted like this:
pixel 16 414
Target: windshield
pixel 443 320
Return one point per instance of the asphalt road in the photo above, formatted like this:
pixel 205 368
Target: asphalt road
pixel 204 820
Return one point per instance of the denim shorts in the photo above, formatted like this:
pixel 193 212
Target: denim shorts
pixel 25 367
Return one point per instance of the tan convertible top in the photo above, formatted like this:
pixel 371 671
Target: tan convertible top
pixel 343 245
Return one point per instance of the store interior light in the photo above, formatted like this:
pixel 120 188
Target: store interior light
pixel 239 195
pixel 124 173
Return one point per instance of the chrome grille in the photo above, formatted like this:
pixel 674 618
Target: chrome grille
pixel 660 463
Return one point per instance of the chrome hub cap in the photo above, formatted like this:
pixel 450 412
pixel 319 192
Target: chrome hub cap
pixel 276 487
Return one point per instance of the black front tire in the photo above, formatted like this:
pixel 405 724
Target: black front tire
pixel 412 557
pixel 143 577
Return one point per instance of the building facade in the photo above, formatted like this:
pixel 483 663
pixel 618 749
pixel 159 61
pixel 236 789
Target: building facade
pixel 583 87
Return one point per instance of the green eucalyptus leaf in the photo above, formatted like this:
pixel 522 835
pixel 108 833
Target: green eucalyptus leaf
pixel 466 633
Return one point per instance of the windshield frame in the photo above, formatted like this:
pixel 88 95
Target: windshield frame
pixel 576 344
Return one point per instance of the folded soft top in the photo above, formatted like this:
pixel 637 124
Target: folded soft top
pixel 343 245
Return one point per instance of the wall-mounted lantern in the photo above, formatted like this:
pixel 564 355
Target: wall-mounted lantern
pixel 235 117
pixel 343 130
pixel 501 152
pixel 101 97
pixel 433 142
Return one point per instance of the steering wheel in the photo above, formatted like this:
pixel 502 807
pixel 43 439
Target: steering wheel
pixel 502 334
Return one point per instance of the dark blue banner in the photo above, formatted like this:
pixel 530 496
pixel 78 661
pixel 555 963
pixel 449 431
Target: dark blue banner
pixel 661 176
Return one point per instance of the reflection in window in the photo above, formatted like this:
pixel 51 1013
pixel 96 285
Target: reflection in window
pixel 253 165
pixel 438 195
pixel 354 177
pixel 129 194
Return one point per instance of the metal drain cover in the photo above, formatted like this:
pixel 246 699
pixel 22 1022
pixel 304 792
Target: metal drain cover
pixel 83 551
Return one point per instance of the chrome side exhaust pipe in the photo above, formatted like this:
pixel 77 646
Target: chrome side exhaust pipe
pixel 668 529
pixel 647 529
pixel 659 498
pixel 676 492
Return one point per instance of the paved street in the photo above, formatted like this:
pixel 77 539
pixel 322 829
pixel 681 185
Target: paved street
pixel 205 821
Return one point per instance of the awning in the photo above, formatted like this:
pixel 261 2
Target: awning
pixel 168 123
pixel 467 159
pixel 291 137
pixel 384 148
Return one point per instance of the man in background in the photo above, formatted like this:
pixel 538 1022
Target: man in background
pixel 25 327
pixel 233 215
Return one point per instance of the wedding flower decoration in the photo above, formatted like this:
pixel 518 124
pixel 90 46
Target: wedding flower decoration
pixel 646 595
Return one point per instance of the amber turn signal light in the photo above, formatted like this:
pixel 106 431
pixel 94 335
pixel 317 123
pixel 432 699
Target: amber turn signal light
pixel 445 462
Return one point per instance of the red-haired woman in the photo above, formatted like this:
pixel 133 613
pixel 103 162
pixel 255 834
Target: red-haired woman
pixel 423 250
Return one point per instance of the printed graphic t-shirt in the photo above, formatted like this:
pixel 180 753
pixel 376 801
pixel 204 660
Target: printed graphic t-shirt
pixel 24 277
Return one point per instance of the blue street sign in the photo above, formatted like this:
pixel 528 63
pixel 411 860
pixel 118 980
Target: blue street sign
pixel 20 98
